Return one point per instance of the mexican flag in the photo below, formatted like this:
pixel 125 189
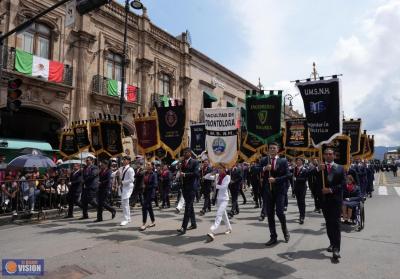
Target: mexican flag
pixel 114 89
pixel 35 66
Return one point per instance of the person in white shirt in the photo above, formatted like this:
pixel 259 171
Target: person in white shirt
pixel 127 175
pixel 222 182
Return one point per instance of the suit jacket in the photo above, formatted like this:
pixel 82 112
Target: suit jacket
pixel 105 180
pixel 191 175
pixel 91 178
pixel 255 175
pixel 281 174
pixel 150 187
pixel 236 178
pixel 336 181
pixel 76 182
pixel 300 177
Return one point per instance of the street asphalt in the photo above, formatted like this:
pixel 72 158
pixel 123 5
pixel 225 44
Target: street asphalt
pixel 83 249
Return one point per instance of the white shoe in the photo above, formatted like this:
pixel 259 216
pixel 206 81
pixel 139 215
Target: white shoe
pixel 124 223
pixel 211 236
pixel 228 231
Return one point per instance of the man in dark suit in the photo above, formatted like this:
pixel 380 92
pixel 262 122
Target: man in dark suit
pixel 276 176
pixel 190 175
pixel 206 186
pixel 335 181
pixel 300 175
pixel 90 186
pixel 255 181
pixel 314 184
pixel 234 187
pixel 75 189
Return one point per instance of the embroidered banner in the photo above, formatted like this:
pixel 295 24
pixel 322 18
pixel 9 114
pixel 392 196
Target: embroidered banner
pixel 352 128
pixel 296 134
pixel 198 138
pixel 147 134
pixel 221 135
pixel 111 137
pixel 321 100
pixel 68 146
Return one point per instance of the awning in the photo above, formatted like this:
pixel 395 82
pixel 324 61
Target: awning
pixel 19 144
pixel 230 104
pixel 209 97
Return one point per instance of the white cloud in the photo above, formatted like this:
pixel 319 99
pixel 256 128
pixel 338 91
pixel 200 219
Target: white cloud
pixel 284 39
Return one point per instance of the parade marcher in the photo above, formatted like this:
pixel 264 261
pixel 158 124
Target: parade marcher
pixel 115 184
pixel 370 180
pixel 351 198
pixel 300 176
pixel 138 189
pixel 222 181
pixel 165 179
pixel 150 185
pixel 189 172
pixel 315 185
pixel 276 174
pixel 335 181
pixel 255 181
pixel 234 187
pixel 75 189
pixel 206 180
pixel 90 186
pixel 104 191
pixel 127 175
pixel 243 173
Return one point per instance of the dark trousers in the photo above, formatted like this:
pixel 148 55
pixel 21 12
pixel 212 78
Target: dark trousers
pixel 137 196
pixel 147 208
pixel 275 204
pixel 243 195
pixel 207 199
pixel 300 192
pixel 286 196
pixel 165 196
pixel 189 197
pixel 88 198
pixel 316 197
pixel 264 201
pixel 332 211
pixel 257 194
pixel 73 199
pixel 235 206
pixel 102 198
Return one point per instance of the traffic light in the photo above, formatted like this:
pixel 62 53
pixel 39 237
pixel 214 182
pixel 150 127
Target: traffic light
pixel 13 94
pixel 85 6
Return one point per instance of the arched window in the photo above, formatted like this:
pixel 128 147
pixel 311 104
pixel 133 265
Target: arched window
pixel 164 84
pixel 37 40
pixel 114 66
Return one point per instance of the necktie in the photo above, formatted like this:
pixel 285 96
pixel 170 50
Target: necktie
pixel 273 164
pixel 329 168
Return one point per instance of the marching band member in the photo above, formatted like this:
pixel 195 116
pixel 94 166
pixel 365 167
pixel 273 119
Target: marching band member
pixel 127 175
pixel 222 181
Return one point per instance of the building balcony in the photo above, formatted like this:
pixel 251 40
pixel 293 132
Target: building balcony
pixel 64 75
pixel 110 91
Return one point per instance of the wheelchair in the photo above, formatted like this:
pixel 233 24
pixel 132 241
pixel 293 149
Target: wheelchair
pixel 358 214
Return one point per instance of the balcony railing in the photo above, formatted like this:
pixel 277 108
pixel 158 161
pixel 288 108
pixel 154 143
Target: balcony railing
pixel 100 86
pixel 9 64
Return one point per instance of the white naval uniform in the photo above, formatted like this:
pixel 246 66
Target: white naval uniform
pixel 222 203
pixel 126 190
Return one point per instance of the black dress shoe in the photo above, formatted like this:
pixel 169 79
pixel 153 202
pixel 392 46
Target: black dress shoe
pixel 271 242
pixel 285 208
pixel 181 231
pixel 113 214
pixel 256 206
pixel 287 237
pixel 336 254
pixel 201 212
pixel 192 227
pixel 84 217
pixel 301 221
pixel 244 202
pixel 329 249
pixel 261 218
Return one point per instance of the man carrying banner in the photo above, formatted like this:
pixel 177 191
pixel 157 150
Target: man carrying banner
pixel 90 186
pixel 276 175
pixel 206 186
pixel 190 173
pixel 127 175
pixel 335 181
pixel 300 176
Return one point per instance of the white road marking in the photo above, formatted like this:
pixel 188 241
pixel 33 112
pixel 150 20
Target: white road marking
pixel 397 190
pixel 382 191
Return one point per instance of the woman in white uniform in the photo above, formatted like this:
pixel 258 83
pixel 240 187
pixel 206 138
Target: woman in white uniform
pixel 222 183
pixel 127 176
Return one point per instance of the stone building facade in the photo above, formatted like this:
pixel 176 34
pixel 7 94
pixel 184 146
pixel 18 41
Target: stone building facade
pixel 160 65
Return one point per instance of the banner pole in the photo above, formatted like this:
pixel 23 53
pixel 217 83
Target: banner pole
pixel 323 171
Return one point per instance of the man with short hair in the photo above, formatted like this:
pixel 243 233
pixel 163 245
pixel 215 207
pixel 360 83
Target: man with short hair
pixel 300 176
pixel 276 176
pixel 189 174
pixel 332 191
pixel 127 175
pixel 90 186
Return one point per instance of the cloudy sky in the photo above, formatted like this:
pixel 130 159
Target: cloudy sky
pixel 279 40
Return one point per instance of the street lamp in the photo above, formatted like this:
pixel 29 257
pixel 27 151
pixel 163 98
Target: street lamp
pixel 137 5
pixel 290 98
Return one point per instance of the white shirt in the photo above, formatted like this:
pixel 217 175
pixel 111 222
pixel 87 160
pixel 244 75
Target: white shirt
pixel 127 182
pixel 223 188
